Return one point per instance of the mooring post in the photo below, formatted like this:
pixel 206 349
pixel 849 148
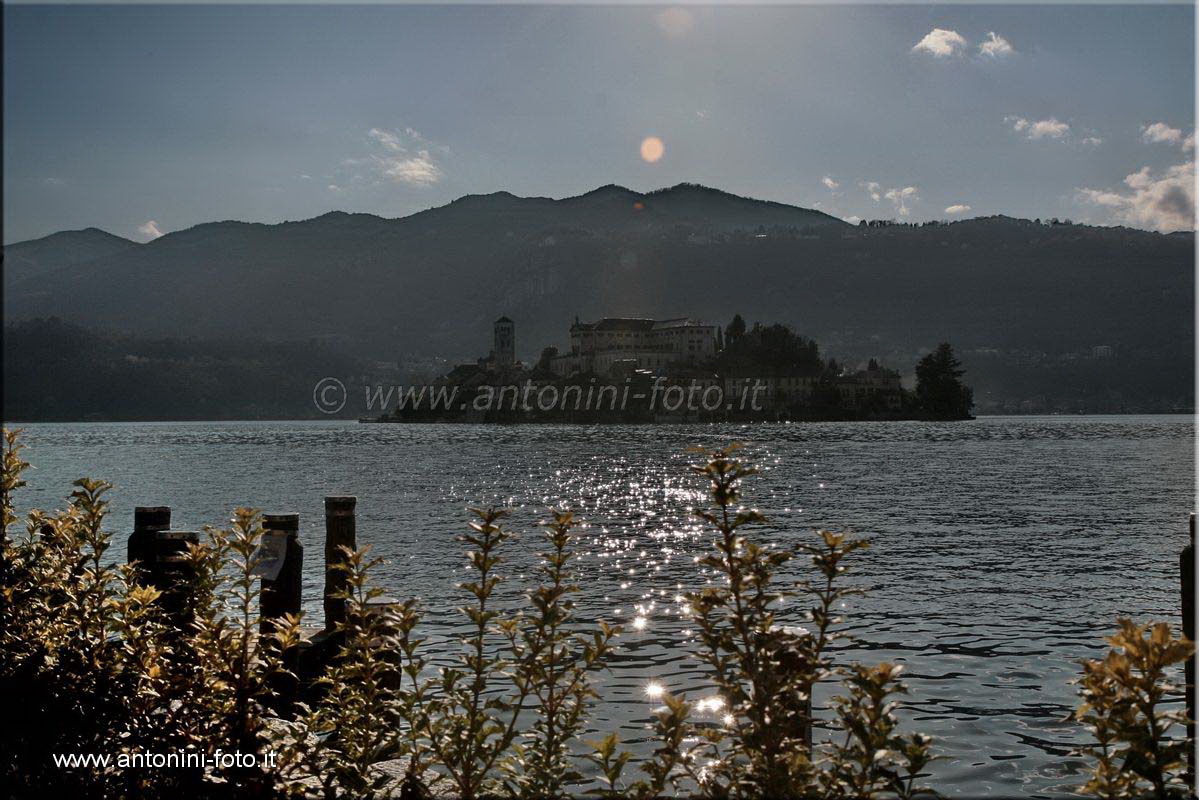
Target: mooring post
pixel 147 522
pixel 1186 569
pixel 340 531
pixel 283 579
pixel 170 570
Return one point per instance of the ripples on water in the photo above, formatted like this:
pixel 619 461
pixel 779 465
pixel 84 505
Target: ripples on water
pixel 1003 549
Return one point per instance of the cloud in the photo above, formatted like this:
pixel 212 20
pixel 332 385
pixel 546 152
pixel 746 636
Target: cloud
pixel 1092 141
pixel 405 157
pixel 941 43
pixel 959 208
pixel 389 139
pixel 149 229
pixel 830 184
pixel 1048 128
pixel 675 22
pixel 417 171
pixel 1039 129
pixel 900 198
pixel 995 46
pixel 1163 202
pixel 1161 133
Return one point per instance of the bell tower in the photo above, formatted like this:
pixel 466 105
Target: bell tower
pixel 505 343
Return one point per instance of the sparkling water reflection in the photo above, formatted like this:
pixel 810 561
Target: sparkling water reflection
pixel 1003 548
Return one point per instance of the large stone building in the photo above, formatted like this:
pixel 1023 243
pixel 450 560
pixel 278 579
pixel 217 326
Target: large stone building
pixel 618 344
pixel 873 387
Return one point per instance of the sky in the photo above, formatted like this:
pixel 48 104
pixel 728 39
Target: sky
pixel 145 119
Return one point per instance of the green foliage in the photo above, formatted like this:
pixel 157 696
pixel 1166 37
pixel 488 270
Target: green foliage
pixel 939 389
pixel 735 330
pixel 1135 752
pixel 767 350
pixel 874 760
pixel 13 466
pixel 238 664
pixel 93 663
pixel 99 663
pixel 472 720
pixel 554 667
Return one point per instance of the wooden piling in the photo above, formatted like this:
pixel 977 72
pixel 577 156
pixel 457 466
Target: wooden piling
pixel 147 522
pixel 340 531
pixel 282 593
pixel 170 570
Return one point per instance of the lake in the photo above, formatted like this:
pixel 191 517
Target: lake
pixel 1003 548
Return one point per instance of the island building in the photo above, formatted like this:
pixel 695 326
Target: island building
pixel 875 386
pixel 623 344
pixel 775 390
pixel 680 350
pixel 501 359
pixel 503 352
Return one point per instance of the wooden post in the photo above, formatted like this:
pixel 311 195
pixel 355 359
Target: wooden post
pixel 792 661
pixel 1186 569
pixel 147 522
pixel 385 607
pixel 170 571
pixel 340 531
pixel 282 592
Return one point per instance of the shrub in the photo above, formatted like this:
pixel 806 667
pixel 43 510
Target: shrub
pixel 555 663
pixel 1135 753
pixel 765 673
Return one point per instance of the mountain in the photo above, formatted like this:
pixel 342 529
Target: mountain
pixel 357 274
pixel 58 250
pixel 1018 291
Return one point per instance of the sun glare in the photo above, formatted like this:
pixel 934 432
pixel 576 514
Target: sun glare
pixel 652 149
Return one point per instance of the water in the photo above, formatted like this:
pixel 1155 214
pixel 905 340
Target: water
pixel 1003 549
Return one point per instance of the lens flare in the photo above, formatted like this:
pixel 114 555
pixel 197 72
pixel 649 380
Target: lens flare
pixel 652 149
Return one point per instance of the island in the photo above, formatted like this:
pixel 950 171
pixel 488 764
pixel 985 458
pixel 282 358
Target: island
pixel 633 370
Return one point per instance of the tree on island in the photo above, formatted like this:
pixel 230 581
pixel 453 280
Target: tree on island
pixel 735 330
pixel 939 390
pixel 547 356
pixel 767 350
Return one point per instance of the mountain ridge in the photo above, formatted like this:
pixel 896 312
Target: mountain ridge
pixel 662 193
pixel 611 188
pixel 431 283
